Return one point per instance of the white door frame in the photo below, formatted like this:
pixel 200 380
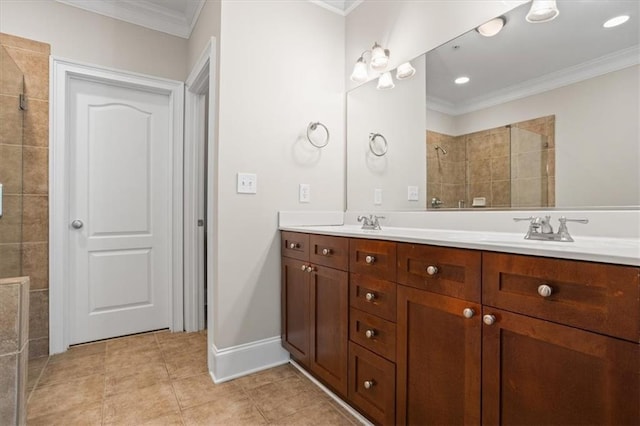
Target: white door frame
pixel 62 70
pixel 200 81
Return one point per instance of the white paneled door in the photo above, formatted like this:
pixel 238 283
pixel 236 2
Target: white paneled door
pixel 119 142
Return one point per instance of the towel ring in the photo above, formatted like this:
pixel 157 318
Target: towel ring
pixel 312 127
pixel 372 139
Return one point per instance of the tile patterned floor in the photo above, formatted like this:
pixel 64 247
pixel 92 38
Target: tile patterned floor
pixel 161 379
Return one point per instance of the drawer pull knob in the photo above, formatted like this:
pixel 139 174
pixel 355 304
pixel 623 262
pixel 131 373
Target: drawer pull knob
pixel 432 270
pixel 489 319
pixel 468 313
pixel 545 290
pixel 294 245
pixel 370 259
pixel 370 297
pixel 304 267
pixel 370 334
pixel 326 252
pixel 368 384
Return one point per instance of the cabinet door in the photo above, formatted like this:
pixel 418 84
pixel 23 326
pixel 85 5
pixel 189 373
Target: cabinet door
pixel 438 361
pixel 295 309
pixel 329 326
pixel 540 373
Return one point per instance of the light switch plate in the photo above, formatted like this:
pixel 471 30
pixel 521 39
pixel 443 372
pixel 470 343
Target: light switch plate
pixel 247 183
pixel 377 197
pixel 304 193
pixel 412 193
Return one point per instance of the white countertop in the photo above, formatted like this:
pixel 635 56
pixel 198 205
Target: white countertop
pixel 623 251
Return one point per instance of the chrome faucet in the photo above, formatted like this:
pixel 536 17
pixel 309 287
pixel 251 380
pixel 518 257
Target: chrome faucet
pixel 371 222
pixel 541 229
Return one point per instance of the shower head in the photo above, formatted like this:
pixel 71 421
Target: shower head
pixel 438 147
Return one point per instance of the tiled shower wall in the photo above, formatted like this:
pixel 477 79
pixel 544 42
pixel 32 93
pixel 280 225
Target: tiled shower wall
pixel 32 58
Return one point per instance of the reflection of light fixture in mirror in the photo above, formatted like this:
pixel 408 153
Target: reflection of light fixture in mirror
pixel 405 71
pixel 461 80
pixel 614 22
pixel 491 28
pixel 542 11
pixel 379 57
pixel 385 81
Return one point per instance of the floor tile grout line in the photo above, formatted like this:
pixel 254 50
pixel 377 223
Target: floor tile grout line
pixel 173 389
pixel 35 385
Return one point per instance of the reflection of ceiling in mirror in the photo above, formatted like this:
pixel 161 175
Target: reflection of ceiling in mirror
pixel 508 66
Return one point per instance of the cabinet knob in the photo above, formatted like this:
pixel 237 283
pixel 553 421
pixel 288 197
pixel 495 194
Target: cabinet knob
pixel 432 270
pixel 326 252
pixel 310 269
pixel 368 384
pixel 370 333
pixel 370 259
pixel 468 313
pixel 303 267
pixel 370 297
pixel 545 290
pixel 489 319
pixel 293 245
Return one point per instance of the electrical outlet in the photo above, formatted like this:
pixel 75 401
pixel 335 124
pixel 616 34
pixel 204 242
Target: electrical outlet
pixel 247 183
pixel 377 197
pixel 412 193
pixel 304 194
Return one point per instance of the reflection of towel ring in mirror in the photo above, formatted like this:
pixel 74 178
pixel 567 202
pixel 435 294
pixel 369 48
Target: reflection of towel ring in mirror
pixel 372 143
pixel 312 127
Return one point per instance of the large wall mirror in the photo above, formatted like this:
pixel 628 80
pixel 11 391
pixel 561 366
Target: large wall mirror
pixel 549 118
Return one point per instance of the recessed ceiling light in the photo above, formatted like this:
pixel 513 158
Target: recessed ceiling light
pixel 614 22
pixel 491 28
pixel 461 80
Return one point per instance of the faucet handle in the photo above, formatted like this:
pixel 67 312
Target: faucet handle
pixel 564 220
pixel 563 232
pixel 520 219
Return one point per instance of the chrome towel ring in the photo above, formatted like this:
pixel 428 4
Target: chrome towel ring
pixel 313 127
pixel 381 150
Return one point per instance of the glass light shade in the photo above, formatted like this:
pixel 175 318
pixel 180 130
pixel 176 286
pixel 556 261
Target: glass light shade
pixel 542 11
pixel 405 71
pixel 491 28
pixel 379 57
pixel 360 73
pixel 385 81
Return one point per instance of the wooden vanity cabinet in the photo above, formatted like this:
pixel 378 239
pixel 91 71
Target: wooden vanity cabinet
pixel 315 305
pixel 439 337
pixel 560 342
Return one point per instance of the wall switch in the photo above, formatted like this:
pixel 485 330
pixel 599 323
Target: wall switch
pixel 377 196
pixel 304 193
pixel 412 193
pixel 247 183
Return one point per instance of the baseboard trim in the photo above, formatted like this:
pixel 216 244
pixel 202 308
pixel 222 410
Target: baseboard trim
pixel 237 361
pixel 335 397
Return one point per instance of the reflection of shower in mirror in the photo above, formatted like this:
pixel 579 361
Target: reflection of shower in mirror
pixel 438 147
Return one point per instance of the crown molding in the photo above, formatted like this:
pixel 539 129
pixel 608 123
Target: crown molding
pixel 340 11
pixel 584 71
pixel 145 13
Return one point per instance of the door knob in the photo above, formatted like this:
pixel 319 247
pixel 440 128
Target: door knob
pixel 77 224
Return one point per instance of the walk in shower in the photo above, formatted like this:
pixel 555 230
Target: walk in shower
pixel 11 165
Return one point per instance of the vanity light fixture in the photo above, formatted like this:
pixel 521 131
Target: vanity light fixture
pixel 379 61
pixel 405 71
pixel 461 80
pixel 614 22
pixel 492 27
pixel 385 81
pixel 542 11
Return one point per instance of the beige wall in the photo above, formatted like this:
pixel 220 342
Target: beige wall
pixel 281 67
pixel 88 37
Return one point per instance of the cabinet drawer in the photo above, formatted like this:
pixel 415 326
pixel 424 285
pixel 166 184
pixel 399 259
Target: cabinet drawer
pixel 329 251
pixel 593 296
pixel 373 258
pixel 449 271
pixel 374 333
pixel 372 384
pixel 374 296
pixel 295 245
